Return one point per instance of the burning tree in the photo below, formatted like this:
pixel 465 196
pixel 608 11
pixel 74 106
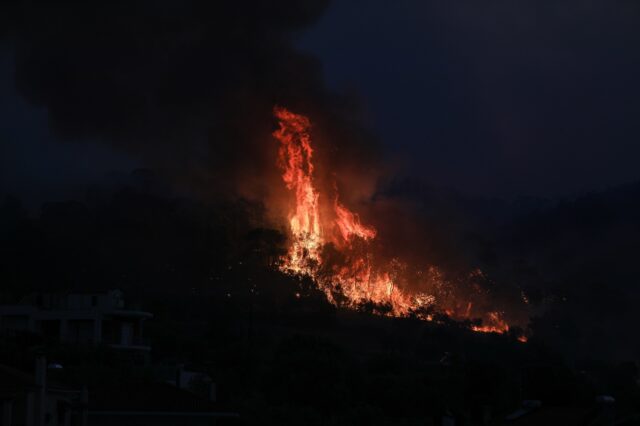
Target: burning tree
pixel 330 244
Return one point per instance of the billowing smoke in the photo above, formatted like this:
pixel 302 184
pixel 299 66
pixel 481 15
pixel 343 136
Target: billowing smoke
pixel 185 86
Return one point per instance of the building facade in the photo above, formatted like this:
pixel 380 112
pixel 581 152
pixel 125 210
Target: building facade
pixel 79 318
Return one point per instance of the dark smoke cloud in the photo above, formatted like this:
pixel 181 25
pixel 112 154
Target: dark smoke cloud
pixel 186 86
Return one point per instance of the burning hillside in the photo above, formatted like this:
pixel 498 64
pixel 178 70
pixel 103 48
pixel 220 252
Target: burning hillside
pixel 330 244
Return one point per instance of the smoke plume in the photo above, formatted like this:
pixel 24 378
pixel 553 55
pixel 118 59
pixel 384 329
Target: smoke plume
pixel 187 87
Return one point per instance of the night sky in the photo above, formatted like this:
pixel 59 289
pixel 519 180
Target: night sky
pixel 495 99
pixel 335 169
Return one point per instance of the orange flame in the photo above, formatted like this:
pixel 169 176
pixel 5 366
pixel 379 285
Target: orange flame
pixel 495 324
pixel 349 225
pixel 295 160
pixel 355 280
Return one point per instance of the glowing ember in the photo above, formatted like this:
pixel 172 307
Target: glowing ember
pixel 495 324
pixel 356 278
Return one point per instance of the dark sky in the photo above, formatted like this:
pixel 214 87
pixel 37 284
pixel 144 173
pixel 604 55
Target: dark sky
pixel 493 98
pixel 496 97
pixel 36 165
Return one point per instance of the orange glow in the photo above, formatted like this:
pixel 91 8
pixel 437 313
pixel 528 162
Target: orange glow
pixel 349 225
pixel 495 324
pixel 295 160
pixel 356 281
pixel 356 278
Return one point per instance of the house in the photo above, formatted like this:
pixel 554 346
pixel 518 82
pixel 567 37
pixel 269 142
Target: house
pixel 79 318
pixel 30 400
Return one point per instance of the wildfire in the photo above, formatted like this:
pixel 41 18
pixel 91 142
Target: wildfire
pixel 349 224
pixel 295 160
pixel 495 325
pixel 356 278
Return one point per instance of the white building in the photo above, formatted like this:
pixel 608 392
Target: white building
pixel 78 318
